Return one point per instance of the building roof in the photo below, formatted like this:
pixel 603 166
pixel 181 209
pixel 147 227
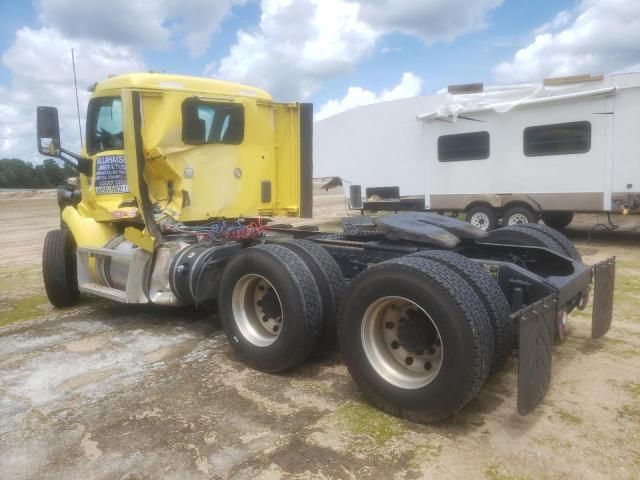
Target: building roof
pixel 162 81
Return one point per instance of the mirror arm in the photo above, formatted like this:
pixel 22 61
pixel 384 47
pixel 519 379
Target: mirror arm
pixel 83 165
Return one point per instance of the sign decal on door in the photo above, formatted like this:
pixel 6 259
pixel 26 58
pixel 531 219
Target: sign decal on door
pixel 111 175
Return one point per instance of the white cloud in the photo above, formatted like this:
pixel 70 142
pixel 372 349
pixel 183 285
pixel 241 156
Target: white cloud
pixel 40 65
pixel 431 20
pixel 601 36
pixel 298 44
pixel 145 23
pixel 410 86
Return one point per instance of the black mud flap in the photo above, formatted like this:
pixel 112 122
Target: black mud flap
pixel 604 274
pixel 536 327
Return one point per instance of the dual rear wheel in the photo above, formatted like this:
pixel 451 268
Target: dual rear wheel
pixel 278 303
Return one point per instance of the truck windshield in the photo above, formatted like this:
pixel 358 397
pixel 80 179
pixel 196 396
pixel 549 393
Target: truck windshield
pixel 104 125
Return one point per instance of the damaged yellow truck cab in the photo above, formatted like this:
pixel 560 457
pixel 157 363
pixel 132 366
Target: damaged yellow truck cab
pixel 172 148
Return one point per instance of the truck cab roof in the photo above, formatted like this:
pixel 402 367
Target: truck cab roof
pixel 162 81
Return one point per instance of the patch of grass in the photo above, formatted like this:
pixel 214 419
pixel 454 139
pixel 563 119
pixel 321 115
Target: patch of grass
pixel 497 472
pixel 569 418
pixel 630 410
pixel 632 389
pixel 361 419
pixel 24 309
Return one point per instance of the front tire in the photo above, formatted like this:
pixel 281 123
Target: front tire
pixel 270 308
pixel 59 270
pixel 416 338
pixel 482 216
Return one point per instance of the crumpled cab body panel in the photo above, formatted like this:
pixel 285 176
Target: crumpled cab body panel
pixel 210 150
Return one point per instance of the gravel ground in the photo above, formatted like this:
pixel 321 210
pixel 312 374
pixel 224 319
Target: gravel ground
pixel 113 391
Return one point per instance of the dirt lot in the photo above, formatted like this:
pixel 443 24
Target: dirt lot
pixel 112 391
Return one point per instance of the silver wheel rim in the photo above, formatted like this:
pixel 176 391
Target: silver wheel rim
pixel 517 219
pixel 406 365
pixel 257 310
pixel 480 220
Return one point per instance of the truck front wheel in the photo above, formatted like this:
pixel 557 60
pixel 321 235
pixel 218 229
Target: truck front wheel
pixel 59 270
pixel 416 338
pixel 270 307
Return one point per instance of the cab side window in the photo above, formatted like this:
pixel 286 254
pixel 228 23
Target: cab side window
pixel 104 129
pixel 212 122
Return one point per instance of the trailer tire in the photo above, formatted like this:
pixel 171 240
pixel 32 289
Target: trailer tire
pixel 59 269
pixel 482 216
pixel 270 307
pixel 567 246
pixel 446 314
pixel 521 235
pixel 330 281
pixel 557 220
pixel 492 297
pixel 518 215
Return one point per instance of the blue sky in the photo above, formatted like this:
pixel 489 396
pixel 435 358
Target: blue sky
pixel 336 53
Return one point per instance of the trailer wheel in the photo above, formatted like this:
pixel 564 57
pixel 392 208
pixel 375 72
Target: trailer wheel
pixel 557 220
pixel 518 215
pixel 522 235
pixel 492 297
pixel 330 281
pixel 482 216
pixel 416 338
pixel 567 246
pixel 270 307
pixel 59 270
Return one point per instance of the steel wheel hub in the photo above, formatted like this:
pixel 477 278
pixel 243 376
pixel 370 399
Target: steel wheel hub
pixel 480 220
pixel 257 310
pixel 401 342
pixel 518 219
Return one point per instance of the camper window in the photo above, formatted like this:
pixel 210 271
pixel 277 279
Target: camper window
pixel 557 139
pixel 463 146
pixel 208 122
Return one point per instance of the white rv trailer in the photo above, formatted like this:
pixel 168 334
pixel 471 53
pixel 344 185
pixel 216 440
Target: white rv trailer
pixel 514 153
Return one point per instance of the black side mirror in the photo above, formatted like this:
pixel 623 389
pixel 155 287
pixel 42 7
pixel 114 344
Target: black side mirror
pixel 48 132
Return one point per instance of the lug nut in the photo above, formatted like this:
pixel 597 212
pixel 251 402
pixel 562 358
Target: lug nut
pixel 395 345
pixel 408 360
pixel 427 366
pixel 265 318
pixel 389 325
pixel 275 328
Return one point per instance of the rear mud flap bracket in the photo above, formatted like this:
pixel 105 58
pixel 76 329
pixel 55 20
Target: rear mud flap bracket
pixel 536 327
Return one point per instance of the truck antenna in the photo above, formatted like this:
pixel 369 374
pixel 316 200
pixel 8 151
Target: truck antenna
pixel 75 84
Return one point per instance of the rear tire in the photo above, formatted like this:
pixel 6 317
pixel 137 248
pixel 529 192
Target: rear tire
pixel 557 220
pixel 568 247
pixel 330 281
pixel 522 235
pixel 59 270
pixel 518 215
pixel 492 297
pixel 270 307
pixel 482 216
pixel 441 326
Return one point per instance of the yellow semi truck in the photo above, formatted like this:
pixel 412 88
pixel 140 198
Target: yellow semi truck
pixel 178 179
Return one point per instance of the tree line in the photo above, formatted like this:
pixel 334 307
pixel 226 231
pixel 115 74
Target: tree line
pixel 16 173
